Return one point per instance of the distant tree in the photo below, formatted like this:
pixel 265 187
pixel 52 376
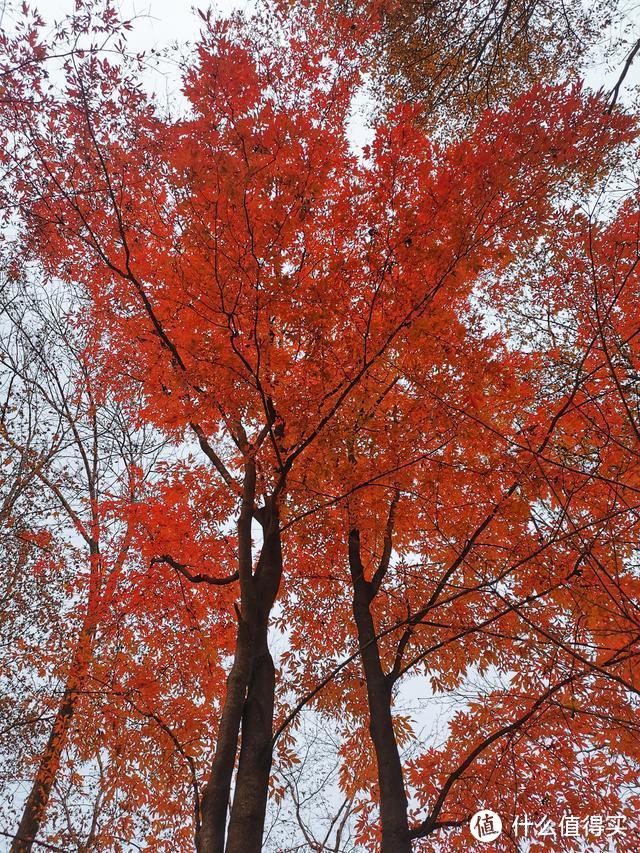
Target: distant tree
pixel 456 59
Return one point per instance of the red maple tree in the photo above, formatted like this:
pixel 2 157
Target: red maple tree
pixel 361 447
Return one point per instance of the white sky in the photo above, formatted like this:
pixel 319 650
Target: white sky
pixel 161 22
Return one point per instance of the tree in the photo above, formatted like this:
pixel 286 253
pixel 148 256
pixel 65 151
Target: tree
pixel 89 451
pixel 456 59
pixel 511 534
pixel 305 319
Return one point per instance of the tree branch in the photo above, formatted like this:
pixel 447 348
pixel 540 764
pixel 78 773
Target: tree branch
pixel 194 578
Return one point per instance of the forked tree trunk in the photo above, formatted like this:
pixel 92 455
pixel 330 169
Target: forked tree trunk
pixel 210 837
pixel 248 710
pixel 393 798
pixel 246 824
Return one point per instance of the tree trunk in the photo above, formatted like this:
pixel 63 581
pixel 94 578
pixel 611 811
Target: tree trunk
pixel 35 807
pixel 246 824
pixel 215 801
pixel 248 709
pixel 393 799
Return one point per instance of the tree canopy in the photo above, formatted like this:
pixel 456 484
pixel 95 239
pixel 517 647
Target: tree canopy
pixel 290 428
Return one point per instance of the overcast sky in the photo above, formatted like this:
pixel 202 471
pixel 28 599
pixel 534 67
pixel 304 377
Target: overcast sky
pixel 161 22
